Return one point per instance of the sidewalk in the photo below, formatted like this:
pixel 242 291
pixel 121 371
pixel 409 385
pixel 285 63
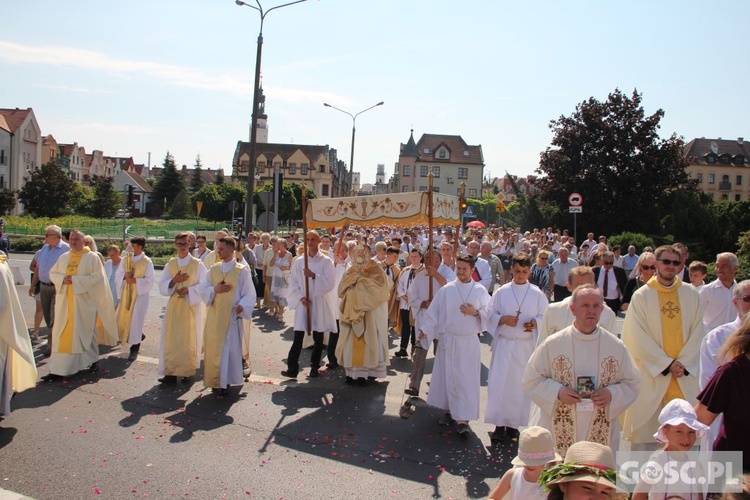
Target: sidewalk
pixel 9 495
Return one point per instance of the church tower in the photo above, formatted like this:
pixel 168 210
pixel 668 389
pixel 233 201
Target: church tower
pixel 262 132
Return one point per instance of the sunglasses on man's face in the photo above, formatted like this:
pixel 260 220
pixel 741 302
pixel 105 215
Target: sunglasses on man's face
pixel 668 262
pixel 648 268
pixel 746 298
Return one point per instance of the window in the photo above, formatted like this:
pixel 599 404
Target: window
pixel 739 180
pixel 725 159
pixel 324 190
pixel 725 178
pixel 262 167
pixel 463 172
pixel 405 189
pixel 711 159
pixel 423 188
pixel 737 197
pixel 711 178
pixel 436 189
pixel 407 170
pixel 2 157
pixel 699 176
pixel 303 169
pixel 724 197
pixel 423 170
pixel 292 168
pixel 441 153
pixel 436 171
pixel 277 165
pixel 472 193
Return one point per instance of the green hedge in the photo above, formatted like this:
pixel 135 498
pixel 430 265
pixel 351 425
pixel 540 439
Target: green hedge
pixel 26 244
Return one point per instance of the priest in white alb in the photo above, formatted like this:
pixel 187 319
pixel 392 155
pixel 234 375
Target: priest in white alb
pixel 582 377
pixel 228 291
pixel 134 280
pixel 515 312
pixel 182 330
pixel 17 366
pixel 82 294
pixel 663 331
pixel 456 317
pixel 558 314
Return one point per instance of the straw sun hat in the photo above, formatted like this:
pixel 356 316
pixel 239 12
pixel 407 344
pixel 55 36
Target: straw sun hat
pixel 535 447
pixel 584 461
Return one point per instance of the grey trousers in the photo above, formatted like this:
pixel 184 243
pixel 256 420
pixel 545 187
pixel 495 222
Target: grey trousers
pixel 418 364
pixel 47 295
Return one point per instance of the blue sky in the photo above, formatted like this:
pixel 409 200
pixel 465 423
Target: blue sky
pixel 140 76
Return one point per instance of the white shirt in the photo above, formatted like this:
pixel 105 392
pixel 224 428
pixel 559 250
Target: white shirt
pixel 718 308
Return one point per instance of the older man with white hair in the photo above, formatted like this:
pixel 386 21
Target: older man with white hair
pixel 53 248
pixel 716 297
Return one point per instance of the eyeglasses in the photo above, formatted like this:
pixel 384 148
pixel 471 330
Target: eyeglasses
pixel 182 244
pixel 608 263
pixel 668 262
pixel 746 298
pixel 544 258
pixel 648 268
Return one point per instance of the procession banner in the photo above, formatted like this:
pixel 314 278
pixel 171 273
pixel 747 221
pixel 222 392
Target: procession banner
pixel 397 209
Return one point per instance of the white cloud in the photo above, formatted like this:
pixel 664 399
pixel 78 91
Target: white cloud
pixel 74 89
pixel 237 84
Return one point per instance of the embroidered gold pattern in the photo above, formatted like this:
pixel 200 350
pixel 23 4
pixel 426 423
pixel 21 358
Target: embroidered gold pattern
pixel 670 310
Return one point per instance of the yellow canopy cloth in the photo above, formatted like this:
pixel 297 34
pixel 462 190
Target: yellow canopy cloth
pixel 398 209
pixel 13 333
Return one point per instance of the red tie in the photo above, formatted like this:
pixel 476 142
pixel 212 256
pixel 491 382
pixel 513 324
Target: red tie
pixel 475 275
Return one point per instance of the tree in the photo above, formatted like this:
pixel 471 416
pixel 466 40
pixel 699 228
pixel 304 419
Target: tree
pixel 7 200
pixel 196 181
pixel 216 200
pixel 610 152
pixel 297 193
pixel 288 205
pixel 106 200
pixel 169 183
pixel 219 180
pixel 81 197
pixel 181 206
pixel 46 191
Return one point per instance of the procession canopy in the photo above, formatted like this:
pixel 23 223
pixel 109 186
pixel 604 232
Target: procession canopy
pixel 397 209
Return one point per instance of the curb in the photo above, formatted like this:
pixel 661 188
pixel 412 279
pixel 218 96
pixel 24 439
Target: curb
pixel 9 495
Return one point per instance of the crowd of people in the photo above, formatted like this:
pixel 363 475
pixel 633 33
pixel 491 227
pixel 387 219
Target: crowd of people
pixel 562 382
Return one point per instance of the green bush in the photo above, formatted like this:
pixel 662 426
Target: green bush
pixel 166 250
pixel 626 239
pixel 26 244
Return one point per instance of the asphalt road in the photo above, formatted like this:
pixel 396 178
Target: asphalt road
pixel 119 434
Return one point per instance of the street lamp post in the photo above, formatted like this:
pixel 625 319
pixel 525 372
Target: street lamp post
pixel 249 205
pixel 354 120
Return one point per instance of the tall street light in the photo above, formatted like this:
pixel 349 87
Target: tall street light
pixel 354 120
pixel 249 205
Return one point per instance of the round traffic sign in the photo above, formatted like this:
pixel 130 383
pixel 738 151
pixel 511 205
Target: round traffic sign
pixel 575 199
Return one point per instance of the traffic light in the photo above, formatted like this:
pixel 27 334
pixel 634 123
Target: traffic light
pixel 131 190
pixel 463 205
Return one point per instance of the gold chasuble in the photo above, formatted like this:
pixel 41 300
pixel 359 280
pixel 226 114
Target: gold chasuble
pixel 218 316
pixel 671 328
pixel 129 295
pixel 180 357
pixel 363 288
pixel 65 343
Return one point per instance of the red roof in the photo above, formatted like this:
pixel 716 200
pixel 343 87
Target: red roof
pixel 15 117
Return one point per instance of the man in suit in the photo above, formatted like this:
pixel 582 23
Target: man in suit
pixel 611 281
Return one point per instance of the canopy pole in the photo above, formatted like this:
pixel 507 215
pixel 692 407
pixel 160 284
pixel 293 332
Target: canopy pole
pixel 429 217
pixel 307 280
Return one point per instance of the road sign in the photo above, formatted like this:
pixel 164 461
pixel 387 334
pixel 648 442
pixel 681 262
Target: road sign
pixel 575 199
pixel 500 207
pixel 469 212
pixel 575 210
pixel 500 196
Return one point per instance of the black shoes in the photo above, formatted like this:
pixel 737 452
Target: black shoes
pixel 314 374
pixel 168 380
pixel 463 430
pixel 134 352
pixel 289 374
pixel 445 420
pixel 411 392
pixel 499 434
pixel 220 392
pixel 50 377
pixel 94 367
pixel 401 353
pixel 332 366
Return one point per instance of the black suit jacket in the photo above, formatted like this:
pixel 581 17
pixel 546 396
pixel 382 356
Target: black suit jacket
pixel 620 276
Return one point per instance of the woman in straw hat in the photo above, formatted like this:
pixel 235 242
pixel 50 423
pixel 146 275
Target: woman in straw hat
pixel 535 450
pixel 588 472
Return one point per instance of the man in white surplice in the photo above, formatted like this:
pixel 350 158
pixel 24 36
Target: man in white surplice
pixel 516 310
pixel 456 316
pixel 320 275
pixel 228 291
pixel 582 377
